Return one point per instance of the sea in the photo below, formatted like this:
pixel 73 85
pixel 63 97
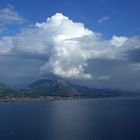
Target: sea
pixel 78 119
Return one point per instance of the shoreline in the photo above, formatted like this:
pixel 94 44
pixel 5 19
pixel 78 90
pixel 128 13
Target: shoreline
pixel 56 98
pixel 36 99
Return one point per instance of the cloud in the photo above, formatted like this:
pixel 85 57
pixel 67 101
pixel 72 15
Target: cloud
pixel 118 41
pixel 9 16
pixel 135 66
pixel 134 55
pixel 68 58
pixel 103 19
pixel 66 47
pixel 103 78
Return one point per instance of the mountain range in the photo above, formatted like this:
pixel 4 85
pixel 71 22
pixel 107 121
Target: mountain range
pixel 59 87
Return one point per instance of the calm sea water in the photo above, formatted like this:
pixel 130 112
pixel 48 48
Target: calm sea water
pixel 88 119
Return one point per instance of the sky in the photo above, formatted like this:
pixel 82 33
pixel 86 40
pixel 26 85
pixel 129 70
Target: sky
pixel 95 43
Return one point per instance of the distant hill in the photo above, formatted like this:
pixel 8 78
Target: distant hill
pixel 50 88
pixel 62 87
pixel 5 90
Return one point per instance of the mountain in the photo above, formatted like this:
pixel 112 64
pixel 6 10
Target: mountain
pixel 5 90
pixel 61 87
pixel 50 88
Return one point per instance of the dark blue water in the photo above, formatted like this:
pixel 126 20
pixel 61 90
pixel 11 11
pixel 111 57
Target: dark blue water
pixel 88 119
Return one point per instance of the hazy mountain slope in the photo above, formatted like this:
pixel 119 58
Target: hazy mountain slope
pixel 61 87
pixel 50 87
pixel 5 90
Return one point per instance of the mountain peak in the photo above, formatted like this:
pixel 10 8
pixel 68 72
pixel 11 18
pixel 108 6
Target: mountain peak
pixel 62 82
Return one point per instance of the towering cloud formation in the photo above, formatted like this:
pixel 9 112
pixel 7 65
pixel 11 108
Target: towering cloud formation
pixel 68 57
pixel 66 46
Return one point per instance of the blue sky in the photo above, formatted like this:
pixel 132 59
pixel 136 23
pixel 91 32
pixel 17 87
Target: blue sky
pixel 90 42
pixel 86 11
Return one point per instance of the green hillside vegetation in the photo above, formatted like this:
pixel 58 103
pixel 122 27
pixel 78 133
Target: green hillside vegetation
pixel 5 90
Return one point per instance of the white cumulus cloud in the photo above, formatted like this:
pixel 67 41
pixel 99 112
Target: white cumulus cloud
pixel 118 41
pixel 66 46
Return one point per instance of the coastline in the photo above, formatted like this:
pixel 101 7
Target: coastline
pixel 55 98
pixel 35 99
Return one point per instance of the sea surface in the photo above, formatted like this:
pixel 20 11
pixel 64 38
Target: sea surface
pixel 82 119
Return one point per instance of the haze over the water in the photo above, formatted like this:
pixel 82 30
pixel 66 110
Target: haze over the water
pixel 94 42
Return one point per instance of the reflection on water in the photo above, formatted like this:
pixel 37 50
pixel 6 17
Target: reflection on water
pixel 98 119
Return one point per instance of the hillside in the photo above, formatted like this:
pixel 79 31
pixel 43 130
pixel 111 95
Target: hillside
pixel 62 87
pixel 5 90
pixel 58 88
pixel 50 88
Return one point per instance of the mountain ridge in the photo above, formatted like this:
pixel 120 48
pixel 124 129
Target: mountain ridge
pixel 61 87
